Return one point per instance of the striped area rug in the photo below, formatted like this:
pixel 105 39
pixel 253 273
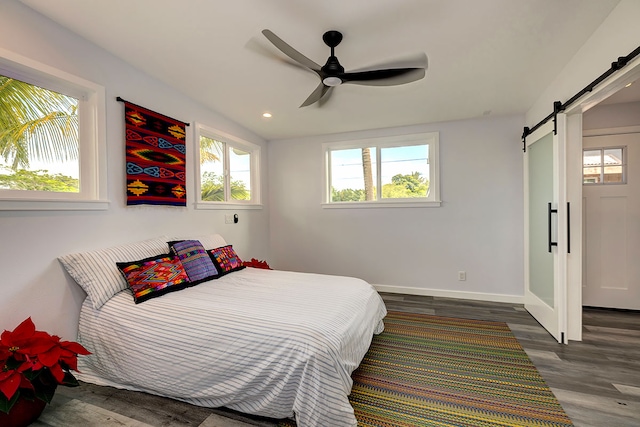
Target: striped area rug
pixel 434 371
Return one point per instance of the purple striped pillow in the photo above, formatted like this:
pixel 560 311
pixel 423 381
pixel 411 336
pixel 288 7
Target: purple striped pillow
pixel 195 259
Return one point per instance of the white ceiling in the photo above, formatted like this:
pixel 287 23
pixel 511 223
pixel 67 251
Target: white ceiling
pixel 485 56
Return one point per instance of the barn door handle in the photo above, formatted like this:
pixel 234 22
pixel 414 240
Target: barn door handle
pixel 568 227
pixel 551 211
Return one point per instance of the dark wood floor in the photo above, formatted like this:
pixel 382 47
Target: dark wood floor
pixel 597 381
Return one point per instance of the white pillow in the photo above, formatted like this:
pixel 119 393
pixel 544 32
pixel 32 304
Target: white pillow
pixel 97 273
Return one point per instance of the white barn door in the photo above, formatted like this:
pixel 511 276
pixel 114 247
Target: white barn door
pixel 546 227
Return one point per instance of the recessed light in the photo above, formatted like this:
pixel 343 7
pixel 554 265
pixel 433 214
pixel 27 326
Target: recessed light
pixel 629 84
pixel 266 115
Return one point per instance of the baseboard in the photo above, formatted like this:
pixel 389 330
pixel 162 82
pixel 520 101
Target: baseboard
pixel 478 296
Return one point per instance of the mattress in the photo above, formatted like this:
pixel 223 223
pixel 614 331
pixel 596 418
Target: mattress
pixel 271 343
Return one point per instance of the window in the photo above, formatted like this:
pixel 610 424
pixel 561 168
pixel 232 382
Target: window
pixel 604 166
pixel 387 171
pixel 227 171
pixel 52 138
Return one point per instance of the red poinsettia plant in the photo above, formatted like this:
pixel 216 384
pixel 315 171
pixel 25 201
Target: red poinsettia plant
pixel 255 263
pixel 33 363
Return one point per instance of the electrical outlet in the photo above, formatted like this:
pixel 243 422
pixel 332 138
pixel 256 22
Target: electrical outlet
pixel 228 218
pixel 462 275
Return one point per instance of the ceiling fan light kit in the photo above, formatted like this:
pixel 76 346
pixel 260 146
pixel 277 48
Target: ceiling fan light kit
pixel 332 74
pixel 332 81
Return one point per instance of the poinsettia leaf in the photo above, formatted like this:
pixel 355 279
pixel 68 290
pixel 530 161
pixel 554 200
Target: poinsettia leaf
pixel 38 343
pixel 9 384
pixel 57 372
pixel 30 375
pixel 31 364
pixel 69 362
pixel 25 383
pixel 27 326
pixel 45 336
pixel 74 347
pixel 69 380
pixel 4 354
pixel 50 357
pixel 45 393
pixel 33 374
pixel 23 331
pixel 5 338
pixel 7 404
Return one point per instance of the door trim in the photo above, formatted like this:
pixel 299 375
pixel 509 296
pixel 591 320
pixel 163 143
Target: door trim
pixel 609 86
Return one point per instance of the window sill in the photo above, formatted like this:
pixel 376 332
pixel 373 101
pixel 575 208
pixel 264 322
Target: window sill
pixel 53 205
pixel 595 184
pixel 385 204
pixel 226 206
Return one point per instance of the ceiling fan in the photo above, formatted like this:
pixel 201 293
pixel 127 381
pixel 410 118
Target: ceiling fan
pixel 332 74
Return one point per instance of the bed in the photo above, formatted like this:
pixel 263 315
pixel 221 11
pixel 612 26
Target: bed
pixel 265 342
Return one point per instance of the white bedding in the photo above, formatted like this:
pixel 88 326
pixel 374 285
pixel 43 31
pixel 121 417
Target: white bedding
pixel 264 342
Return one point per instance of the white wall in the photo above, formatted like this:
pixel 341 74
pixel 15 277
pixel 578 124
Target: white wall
pixel 478 228
pixel 612 116
pixel 618 36
pixel 33 282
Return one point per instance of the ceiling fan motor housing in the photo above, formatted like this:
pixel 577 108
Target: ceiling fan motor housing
pixel 332 68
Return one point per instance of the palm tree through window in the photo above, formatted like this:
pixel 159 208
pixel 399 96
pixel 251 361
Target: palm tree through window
pixel 38 138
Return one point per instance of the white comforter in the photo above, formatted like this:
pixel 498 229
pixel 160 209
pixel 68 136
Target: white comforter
pixel 264 342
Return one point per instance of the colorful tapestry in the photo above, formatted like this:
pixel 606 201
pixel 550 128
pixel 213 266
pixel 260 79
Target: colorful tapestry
pixel 155 158
pixel 428 371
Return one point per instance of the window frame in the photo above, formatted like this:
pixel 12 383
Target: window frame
pixel 229 141
pixel 603 166
pixel 92 148
pixel 425 138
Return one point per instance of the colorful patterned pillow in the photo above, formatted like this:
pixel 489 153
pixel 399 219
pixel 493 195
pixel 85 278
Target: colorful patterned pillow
pixel 195 259
pixel 226 259
pixel 154 276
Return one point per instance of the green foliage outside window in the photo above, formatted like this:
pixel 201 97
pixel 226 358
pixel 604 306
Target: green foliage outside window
pixel 40 180
pixel 347 195
pixel 401 187
pixel 212 188
pixel 406 186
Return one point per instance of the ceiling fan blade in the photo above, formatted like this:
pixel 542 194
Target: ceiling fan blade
pixel 414 61
pixel 262 48
pixel 289 51
pixel 392 77
pixel 320 92
pixel 326 97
